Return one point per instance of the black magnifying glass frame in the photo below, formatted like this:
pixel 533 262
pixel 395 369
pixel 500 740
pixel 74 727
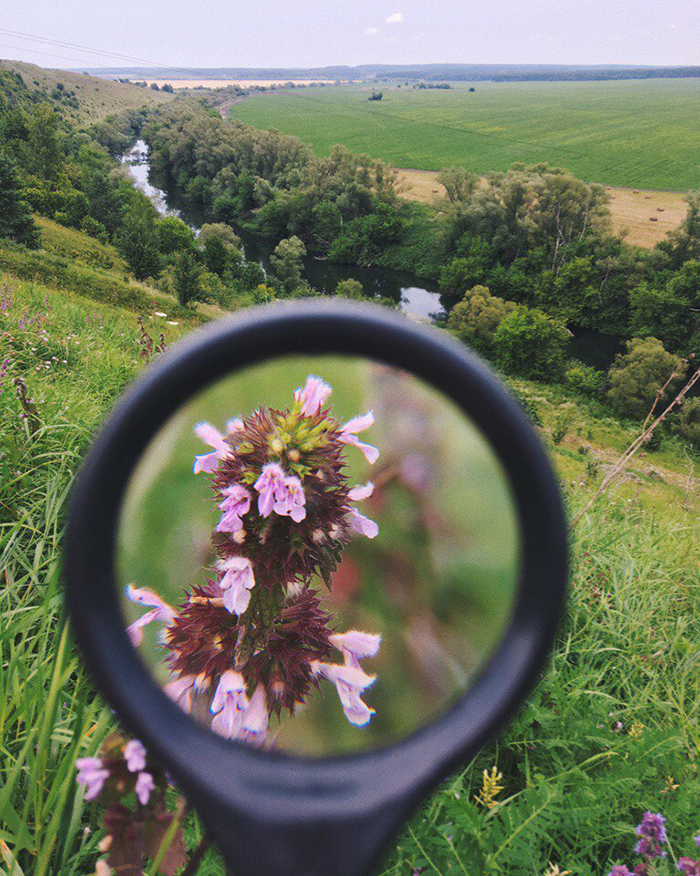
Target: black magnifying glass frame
pixel 277 814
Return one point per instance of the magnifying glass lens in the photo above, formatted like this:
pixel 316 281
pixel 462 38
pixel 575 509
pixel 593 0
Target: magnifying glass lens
pixel 317 554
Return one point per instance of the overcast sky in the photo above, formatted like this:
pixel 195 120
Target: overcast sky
pixel 266 33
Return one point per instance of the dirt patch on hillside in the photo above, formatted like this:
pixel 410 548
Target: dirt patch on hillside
pixel 646 215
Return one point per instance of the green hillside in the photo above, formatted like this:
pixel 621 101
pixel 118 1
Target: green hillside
pixel 79 98
pixel 636 133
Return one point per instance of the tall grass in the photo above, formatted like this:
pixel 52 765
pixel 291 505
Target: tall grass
pixel 610 731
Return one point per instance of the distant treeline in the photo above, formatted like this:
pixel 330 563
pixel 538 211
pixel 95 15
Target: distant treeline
pixel 426 72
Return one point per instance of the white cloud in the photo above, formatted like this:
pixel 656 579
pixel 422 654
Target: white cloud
pixel 372 31
pixel 396 18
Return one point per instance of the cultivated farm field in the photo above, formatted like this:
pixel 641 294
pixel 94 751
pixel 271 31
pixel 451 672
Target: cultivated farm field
pixel 637 134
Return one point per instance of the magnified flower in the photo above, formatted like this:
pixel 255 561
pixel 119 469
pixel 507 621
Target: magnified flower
pixel 256 717
pixel 236 503
pixel 312 396
pixel 143 788
pixel 229 705
pixel 652 834
pixel 209 462
pixel 349 681
pixel 161 612
pixel 135 756
pixel 93 774
pixel 354 645
pixel 362 524
pixel 356 494
pixel 180 691
pixel 348 435
pixel 271 487
pixel 237 582
pixel 293 502
pixel 620 870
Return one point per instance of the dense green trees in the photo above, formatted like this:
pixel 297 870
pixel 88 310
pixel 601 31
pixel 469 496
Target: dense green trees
pixel 287 263
pixel 477 317
pixel 16 220
pixel 637 375
pixel 531 344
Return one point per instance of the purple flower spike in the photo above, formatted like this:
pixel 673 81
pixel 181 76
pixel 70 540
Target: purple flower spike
pixel 161 612
pixel 348 435
pixel 312 396
pixel 362 524
pixel 229 705
pixel 356 494
pixel 209 462
pixel 135 756
pixel 144 786
pixel 236 503
pixel 237 582
pixel 689 866
pixel 619 870
pixel 696 840
pixel 92 774
pixel 271 487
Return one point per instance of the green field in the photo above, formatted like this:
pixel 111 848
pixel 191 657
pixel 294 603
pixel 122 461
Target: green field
pixel 632 133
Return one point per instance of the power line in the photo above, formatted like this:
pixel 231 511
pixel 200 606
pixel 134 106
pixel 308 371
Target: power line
pixel 35 52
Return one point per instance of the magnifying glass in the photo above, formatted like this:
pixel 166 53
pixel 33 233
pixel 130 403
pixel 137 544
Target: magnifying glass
pixel 315 559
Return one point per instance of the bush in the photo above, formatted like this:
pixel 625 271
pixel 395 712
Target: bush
pixel 688 421
pixel 531 344
pixel 637 375
pixel 477 317
pixel 584 379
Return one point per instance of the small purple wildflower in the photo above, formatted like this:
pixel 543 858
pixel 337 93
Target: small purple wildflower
pixel 229 705
pixel 144 786
pixel 348 435
pixel 237 582
pixel 270 486
pixel 236 503
pixel 161 612
pixel 350 682
pixel 312 396
pixel 209 462
pixel 362 524
pixel 93 774
pixel 619 870
pixel 135 756
pixel 652 835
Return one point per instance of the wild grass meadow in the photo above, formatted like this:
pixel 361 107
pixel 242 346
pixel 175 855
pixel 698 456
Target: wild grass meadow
pixel 609 733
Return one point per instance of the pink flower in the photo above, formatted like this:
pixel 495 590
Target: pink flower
pixel 229 705
pixel 135 756
pixel 209 462
pixel 293 502
pixel 354 645
pixel 233 426
pixel 359 493
pixel 271 487
pixel 236 503
pixel 348 435
pixel 92 774
pixel 161 612
pixel 689 866
pixel 237 582
pixel 254 728
pixel 144 786
pixel 362 524
pixel 349 681
pixel 180 691
pixel 312 396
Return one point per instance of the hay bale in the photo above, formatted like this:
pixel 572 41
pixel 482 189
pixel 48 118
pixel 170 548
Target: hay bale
pixel 653 218
pixel 635 191
pixel 660 209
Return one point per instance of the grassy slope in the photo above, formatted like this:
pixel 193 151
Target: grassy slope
pixel 574 781
pixel 643 134
pixel 97 98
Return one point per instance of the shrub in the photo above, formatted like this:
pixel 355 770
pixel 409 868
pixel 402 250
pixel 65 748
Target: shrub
pixel 637 375
pixel 584 379
pixel 477 317
pixel 531 344
pixel 688 421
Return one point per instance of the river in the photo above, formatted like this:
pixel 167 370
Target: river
pixel 417 298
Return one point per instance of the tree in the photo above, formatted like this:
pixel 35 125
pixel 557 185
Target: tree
pixel 186 275
pixel 683 243
pixel 459 185
pixel 45 149
pixel 16 220
pixel 477 317
pixel 350 288
pixel 287 263
pixel 531 344
pixel 637 375
pixel 174 235
pixel 138 243
pixel 468 270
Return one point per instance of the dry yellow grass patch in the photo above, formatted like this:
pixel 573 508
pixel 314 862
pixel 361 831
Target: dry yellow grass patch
pixel 647 216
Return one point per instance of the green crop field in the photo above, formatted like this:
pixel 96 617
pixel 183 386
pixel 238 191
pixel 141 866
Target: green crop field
pixel 633 133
